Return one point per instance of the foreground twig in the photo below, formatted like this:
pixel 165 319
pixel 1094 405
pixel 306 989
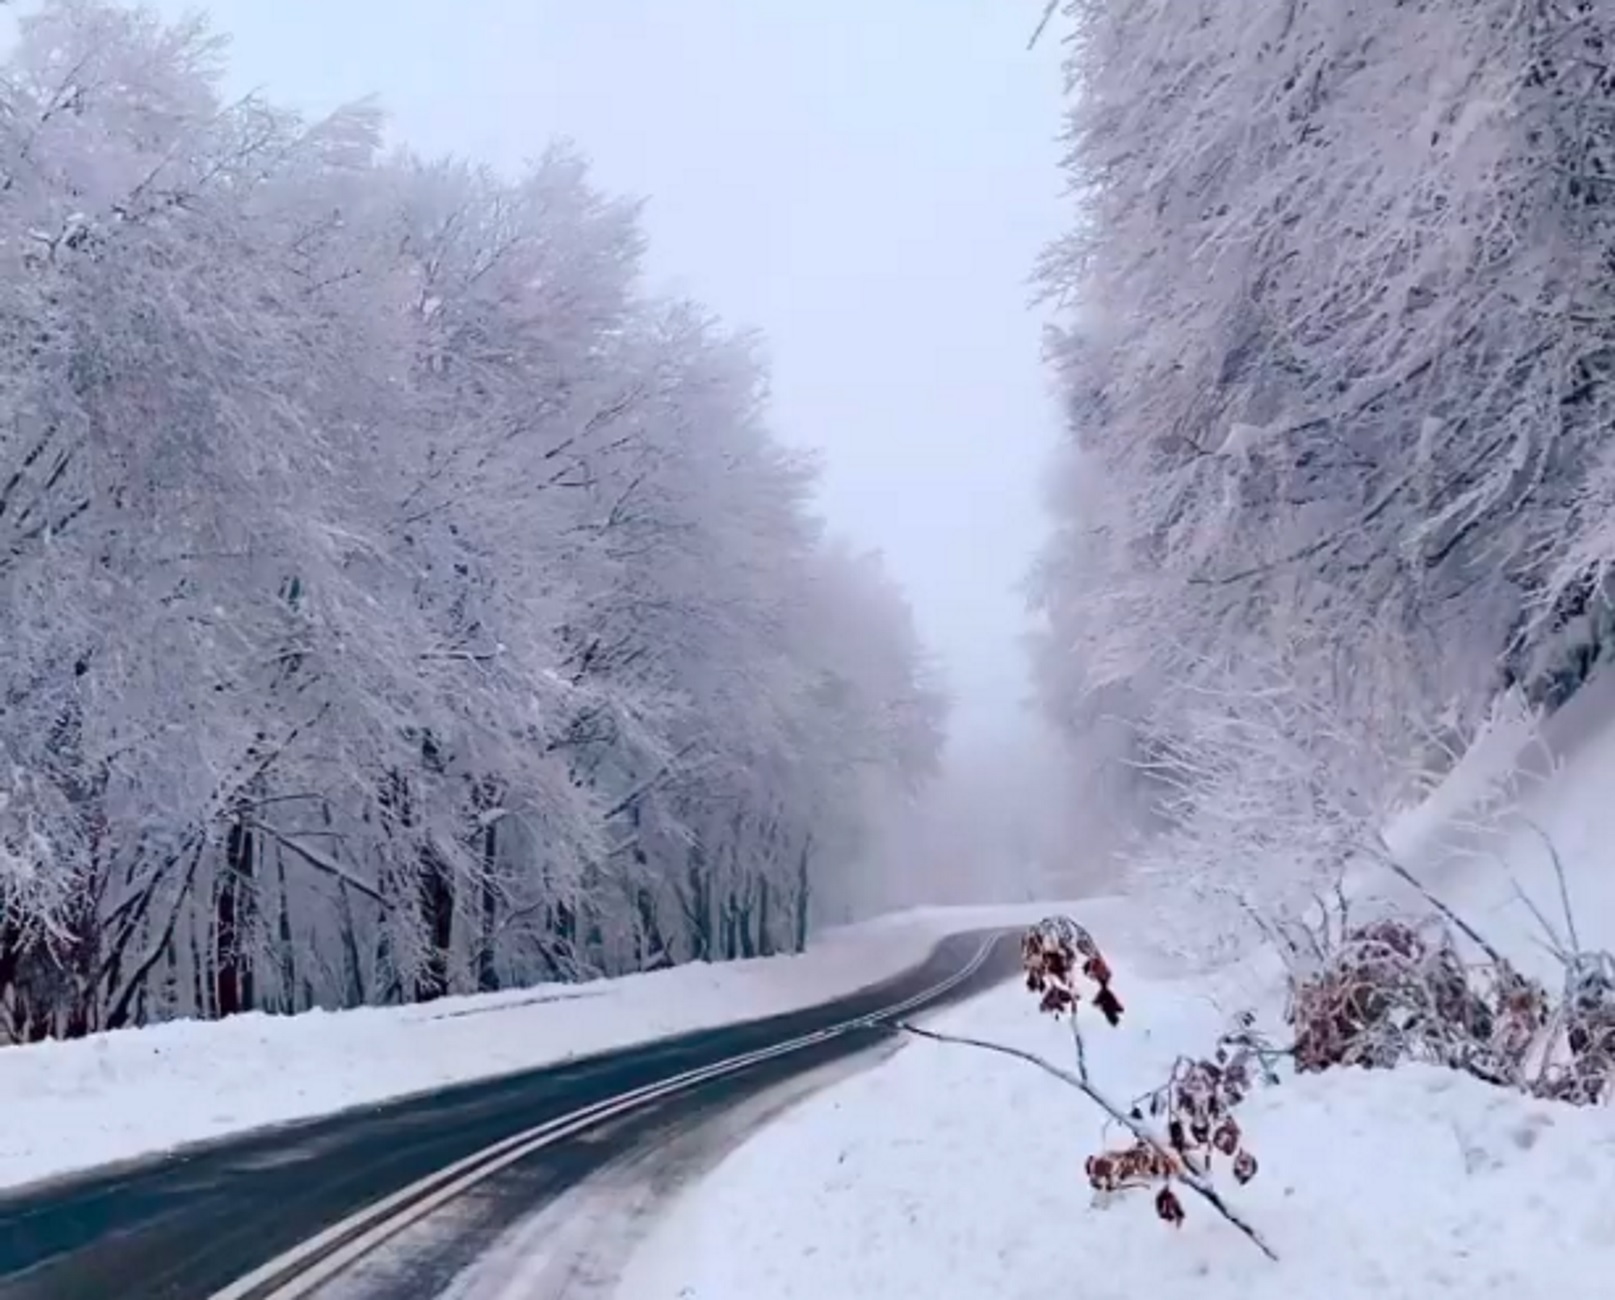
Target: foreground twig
pixel 1452 917
pixel 1043 22
pixel 1081 1049
pixel 1197 1184
pixel 1564 885
pixel 1554 944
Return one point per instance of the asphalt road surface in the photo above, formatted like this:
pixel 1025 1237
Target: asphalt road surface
pixel 282 1213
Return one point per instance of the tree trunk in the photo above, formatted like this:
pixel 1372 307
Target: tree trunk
pixel 729 916
pixel 699 908
pixel 765 936
pixel 653 954
pixel 233 923
pixel 487 970
pixel 744 912
pixel 200 988
pixel 803 896
pixel 437 921
pixel 352 967
pixel 283 938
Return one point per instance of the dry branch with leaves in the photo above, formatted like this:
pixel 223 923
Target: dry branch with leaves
pixel 1061 960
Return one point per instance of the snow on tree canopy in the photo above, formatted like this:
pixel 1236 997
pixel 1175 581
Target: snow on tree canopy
pixel 1337 362
pixel 397 598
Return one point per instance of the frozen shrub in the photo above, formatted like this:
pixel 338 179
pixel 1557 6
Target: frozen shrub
pixel 1392 990
pixel 1580 1064
pixel 1395 990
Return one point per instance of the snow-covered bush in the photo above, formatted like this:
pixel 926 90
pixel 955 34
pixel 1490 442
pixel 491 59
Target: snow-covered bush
pixel 1394 990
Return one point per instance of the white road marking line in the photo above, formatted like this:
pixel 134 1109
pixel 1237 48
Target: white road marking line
pixel 316 1261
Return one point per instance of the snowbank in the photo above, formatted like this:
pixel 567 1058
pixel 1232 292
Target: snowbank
pixel 71 1106
pixel 1568 803
pixel 950 1174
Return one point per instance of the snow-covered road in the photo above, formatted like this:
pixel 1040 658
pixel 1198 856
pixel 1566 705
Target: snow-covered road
pixel 289 1212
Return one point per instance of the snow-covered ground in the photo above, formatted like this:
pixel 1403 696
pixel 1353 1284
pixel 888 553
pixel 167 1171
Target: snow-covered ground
pixel 950 1174
pixel 71 1106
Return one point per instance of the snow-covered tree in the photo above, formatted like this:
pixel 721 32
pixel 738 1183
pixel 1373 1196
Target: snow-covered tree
pixel 1339 312
pixel 396 598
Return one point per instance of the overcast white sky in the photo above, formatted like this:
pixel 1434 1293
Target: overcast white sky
pixel 867 181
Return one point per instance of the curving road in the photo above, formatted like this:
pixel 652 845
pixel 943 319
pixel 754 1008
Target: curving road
pixel 296 1211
